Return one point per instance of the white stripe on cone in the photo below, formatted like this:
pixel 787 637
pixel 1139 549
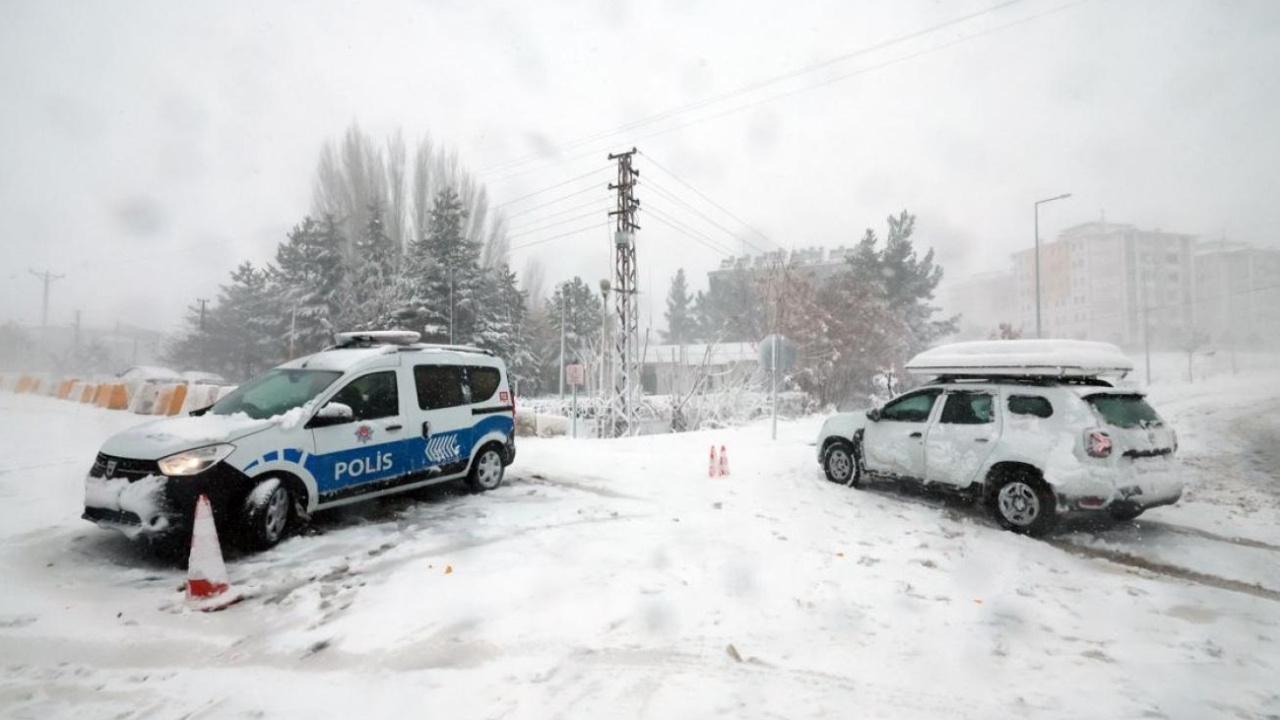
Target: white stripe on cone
pixel 207 586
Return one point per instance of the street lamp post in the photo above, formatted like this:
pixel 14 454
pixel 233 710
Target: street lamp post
pixel 1037 206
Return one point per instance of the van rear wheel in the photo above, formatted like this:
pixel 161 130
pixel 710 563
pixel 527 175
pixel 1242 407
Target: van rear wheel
pixel 486 471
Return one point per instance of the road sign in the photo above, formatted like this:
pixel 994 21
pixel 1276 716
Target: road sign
pixel 575 374
pixel 786 353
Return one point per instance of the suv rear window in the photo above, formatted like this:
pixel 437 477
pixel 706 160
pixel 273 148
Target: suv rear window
pixel 1125 411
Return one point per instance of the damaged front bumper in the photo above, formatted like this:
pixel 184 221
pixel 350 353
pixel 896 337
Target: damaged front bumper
pixel 135 498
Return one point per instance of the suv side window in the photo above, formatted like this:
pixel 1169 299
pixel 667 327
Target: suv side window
pixel 967 408
pixel 1032 405
pixel 371 396
pixel 484 382
pixel 910 408
pixel 441 386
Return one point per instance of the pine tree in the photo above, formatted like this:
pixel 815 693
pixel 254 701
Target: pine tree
pixel 443 288
pixel 582 318
pixel 312 282
pixel 909 281
pixel 375 267
pixel 679 316
pixel 240 336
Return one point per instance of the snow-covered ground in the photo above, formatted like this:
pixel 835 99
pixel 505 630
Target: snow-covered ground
pixel 614 579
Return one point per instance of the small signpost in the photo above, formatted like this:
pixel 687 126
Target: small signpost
pixel 575 375
pixel 777 354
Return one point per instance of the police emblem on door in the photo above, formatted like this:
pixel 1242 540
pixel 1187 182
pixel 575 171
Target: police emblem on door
pixel 364 434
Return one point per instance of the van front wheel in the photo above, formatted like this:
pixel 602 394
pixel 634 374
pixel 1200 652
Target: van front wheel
pixel 268 514
pixel 486 471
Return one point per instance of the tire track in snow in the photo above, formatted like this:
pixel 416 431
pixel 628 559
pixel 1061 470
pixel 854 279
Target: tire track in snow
pixel 954 509
pixel 1161 568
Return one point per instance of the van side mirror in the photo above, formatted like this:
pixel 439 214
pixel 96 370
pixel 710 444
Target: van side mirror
pixel 873 414
pixel 335 413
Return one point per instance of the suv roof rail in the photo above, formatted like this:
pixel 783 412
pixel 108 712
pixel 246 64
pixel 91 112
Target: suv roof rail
pixel 1022 380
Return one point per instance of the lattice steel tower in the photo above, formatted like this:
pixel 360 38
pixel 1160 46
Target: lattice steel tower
pixel 626 380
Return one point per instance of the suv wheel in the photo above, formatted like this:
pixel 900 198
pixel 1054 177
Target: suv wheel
pixel 841 464
pixel 486 471
pixel 1023 503
pixel 268 513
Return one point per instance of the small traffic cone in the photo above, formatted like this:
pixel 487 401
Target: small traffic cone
pixel 207 585
pixel 724 462
pixel 711 469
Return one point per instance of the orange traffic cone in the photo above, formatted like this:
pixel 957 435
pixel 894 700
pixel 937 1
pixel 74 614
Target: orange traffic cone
pixel 724 462
pixel 207 586
pixel 711 469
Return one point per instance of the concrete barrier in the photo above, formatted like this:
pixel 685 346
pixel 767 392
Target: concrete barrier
pixel 87 393
pixel 64 388
pixel 119 397
pixel 25 384
pixel 143 398
pixel 102 394
pixel 163 399
pixel 179 397
pixel 199 396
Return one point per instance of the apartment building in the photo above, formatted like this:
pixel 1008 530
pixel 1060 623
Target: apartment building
pixel 1237 295
pixel 1111 282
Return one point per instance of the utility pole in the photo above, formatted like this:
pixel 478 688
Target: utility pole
pixel 451 308
pixel 75 337
pixel 203 302
pixel 47 278
pixel 622 406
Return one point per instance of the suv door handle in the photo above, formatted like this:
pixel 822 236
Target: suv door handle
pixel 916 434
pixel 426 429
pixel 393 428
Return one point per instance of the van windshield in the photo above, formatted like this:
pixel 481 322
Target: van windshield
pixel 1124 411
pixel 275 392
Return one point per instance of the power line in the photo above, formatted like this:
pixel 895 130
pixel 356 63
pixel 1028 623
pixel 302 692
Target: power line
pixel 862 71
pixel 551 187
pixel 692 237
pixel 562 198
pixel 672 196
pixel 704 196
pixel 670 221
pixel 532 231
pixel 555 237
pixel 757 85
pixel 599 203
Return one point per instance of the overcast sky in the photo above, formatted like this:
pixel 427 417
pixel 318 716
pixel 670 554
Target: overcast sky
pixel 147 148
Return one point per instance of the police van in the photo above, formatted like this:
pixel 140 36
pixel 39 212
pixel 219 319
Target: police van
pixel 377 413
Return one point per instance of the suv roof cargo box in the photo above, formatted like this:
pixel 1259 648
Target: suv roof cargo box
pixel 1022 358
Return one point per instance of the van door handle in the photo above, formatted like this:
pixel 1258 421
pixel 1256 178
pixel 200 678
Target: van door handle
pixel 393 428
pixel 916 434
pixel 426 429
pixel 982 439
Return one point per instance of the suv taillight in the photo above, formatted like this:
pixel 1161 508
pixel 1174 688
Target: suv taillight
pixel 1097 444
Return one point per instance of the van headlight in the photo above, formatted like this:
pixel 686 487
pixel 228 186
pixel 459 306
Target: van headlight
pixel 194 462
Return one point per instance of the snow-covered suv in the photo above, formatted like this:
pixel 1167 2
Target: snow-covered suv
pixel 1026 426
pixel 376 414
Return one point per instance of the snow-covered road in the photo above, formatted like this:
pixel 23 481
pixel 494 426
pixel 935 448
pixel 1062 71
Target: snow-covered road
pixel 614 579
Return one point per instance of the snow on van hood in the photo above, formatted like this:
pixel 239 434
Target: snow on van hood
pixel 167 436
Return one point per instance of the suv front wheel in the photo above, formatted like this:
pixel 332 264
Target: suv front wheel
pixel 841 464
pixel 1022 502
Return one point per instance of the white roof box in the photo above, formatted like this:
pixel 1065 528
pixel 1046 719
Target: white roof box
pixel 1007 358
pixel 377 337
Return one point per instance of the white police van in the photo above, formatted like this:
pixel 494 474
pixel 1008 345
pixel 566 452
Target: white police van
pixel 378 413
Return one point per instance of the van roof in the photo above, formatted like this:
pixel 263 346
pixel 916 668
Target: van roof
pixel 346 358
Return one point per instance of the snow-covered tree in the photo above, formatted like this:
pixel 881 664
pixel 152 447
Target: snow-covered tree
pixel 312 280
pixel 679 315
pixel 375 266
